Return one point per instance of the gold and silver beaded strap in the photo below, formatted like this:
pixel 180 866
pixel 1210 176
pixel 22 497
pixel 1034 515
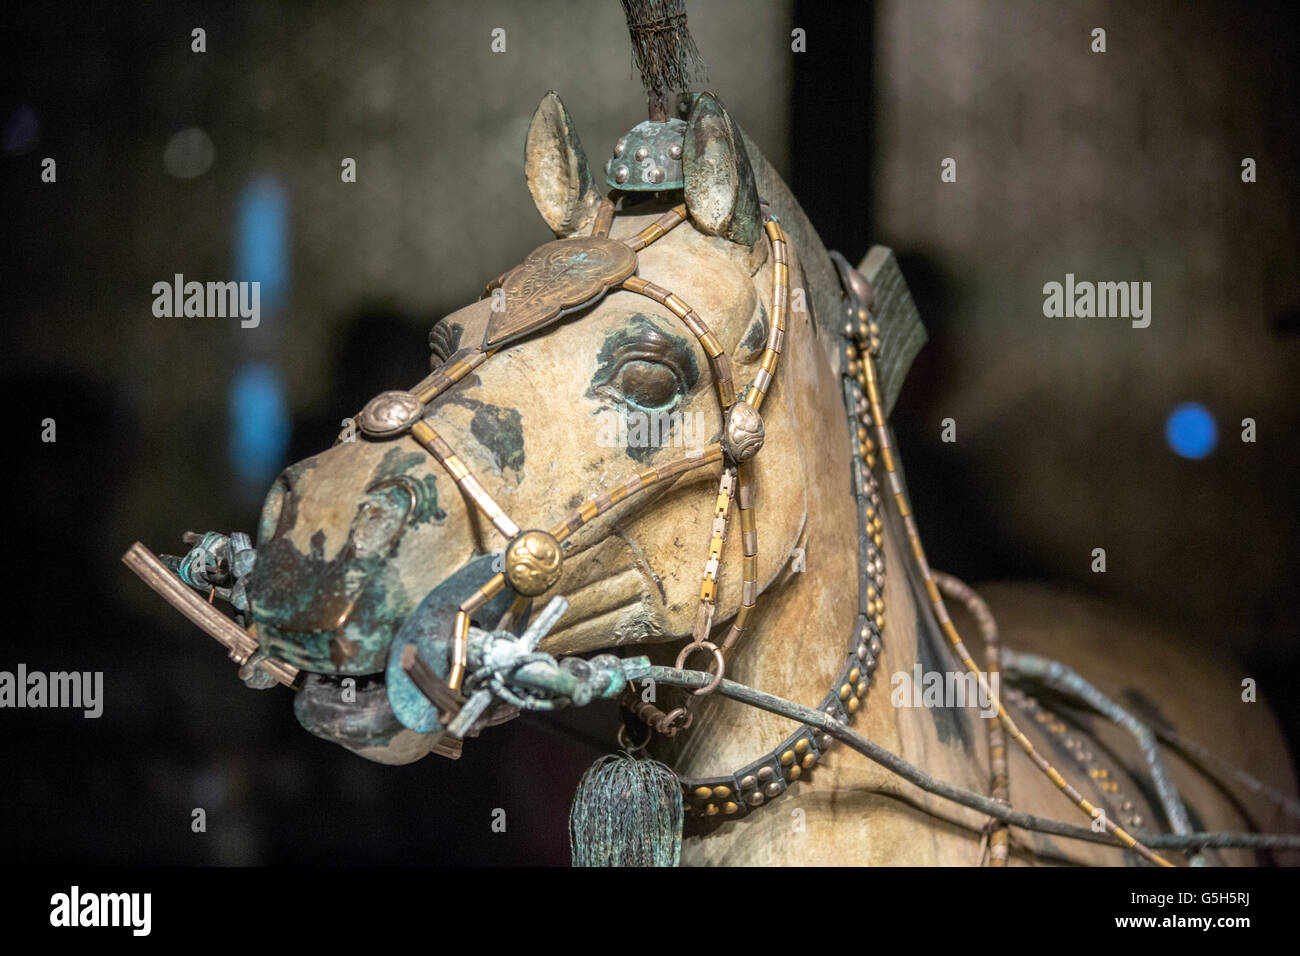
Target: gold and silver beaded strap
pixel 1104 774
pixel 733 795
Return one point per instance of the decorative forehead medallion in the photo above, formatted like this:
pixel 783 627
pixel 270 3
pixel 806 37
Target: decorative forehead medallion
pixel 556 278
pixel 389 413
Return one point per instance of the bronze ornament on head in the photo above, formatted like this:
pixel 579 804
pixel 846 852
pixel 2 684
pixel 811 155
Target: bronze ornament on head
pixel 532 563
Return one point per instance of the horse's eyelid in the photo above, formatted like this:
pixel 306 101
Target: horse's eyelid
pixel 654 350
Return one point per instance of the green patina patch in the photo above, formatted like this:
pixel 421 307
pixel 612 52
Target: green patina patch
pixel 426 501
pixel 397 461
pixel 298 601
pixel 499 430
pixel 756 334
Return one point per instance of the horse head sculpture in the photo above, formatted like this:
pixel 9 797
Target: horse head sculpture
pixel 351 541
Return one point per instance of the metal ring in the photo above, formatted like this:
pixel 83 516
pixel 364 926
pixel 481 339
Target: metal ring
pixel 621 737
pixel 669 723
pixel 717 657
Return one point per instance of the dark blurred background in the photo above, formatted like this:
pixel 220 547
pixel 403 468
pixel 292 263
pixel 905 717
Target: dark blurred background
pixel 226 165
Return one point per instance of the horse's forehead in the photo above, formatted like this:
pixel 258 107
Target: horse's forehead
pixel 713 276
pixel 719 286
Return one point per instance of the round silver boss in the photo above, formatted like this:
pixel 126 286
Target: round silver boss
pixel 743 436
pixel 389 413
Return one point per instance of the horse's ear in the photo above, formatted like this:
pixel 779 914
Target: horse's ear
pixel 720 191
pixel 562 186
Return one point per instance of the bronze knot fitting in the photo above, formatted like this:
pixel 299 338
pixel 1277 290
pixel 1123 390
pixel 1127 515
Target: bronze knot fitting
pixel 533 562
pixel 744 434
pixel 389 413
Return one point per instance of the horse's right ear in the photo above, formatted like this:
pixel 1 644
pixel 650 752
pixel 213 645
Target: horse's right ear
pixel 562 186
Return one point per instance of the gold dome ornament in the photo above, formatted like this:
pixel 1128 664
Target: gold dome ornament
pixel 744 435
pixel 532 563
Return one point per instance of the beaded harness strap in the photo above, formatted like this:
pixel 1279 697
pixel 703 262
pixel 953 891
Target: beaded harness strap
pixel 769 776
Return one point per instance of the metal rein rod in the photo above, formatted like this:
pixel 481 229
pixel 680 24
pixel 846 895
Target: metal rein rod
pixel 967 798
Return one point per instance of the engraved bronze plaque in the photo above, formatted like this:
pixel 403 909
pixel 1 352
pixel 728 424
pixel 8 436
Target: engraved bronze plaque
pixel 556 278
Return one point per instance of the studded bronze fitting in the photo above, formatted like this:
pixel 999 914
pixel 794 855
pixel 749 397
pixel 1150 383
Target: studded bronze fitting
pixel 648 158
pixel 533 561
pixel 744 434
pixel 389 414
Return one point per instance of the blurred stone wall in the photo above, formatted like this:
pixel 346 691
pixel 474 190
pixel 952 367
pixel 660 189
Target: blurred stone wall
pixel 1123 165
pixel 284 92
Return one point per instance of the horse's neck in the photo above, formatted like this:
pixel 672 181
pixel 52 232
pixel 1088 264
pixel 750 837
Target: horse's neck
pixel 800 631
pixel 795 648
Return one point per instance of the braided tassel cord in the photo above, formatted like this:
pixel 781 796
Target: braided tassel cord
pixel 626 812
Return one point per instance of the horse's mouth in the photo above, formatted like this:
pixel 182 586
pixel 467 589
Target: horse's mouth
pixel 347 709
pixel 326 653
pixel 355 691
pixel 364 700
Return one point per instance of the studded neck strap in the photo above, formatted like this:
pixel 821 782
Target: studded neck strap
pixel 766 778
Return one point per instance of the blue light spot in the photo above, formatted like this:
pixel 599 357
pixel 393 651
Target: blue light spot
pixel 259 423
pixel 1191 431
pixel 262 240
pixel 22 131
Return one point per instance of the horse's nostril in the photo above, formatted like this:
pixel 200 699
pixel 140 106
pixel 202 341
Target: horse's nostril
pixel 279 503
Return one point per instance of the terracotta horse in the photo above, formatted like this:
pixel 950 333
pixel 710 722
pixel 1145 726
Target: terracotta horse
pixel 339 567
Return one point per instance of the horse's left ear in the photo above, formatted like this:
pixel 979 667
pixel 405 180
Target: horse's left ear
pixel 720 191
pixel 562 186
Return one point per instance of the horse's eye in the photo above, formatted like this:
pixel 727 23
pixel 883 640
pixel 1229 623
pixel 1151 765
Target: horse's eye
pixel 646 382
pixel 645 367
pixel 380 519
